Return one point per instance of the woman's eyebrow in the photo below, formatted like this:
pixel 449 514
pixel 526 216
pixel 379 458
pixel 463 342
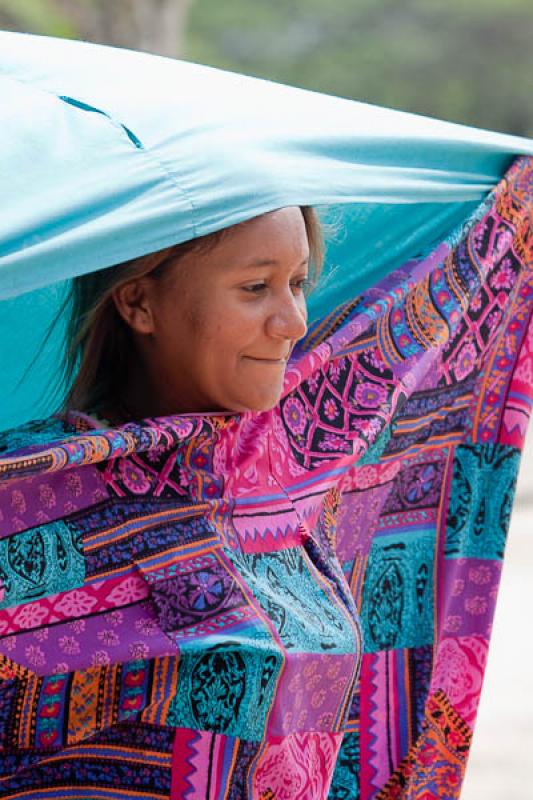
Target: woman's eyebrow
pixel 269 262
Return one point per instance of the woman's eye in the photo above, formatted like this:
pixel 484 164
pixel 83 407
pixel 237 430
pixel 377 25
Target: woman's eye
pixel 299 285
pixel 255 287
pixel 302 284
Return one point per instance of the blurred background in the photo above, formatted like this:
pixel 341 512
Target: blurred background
pixel 465 62
pixel 468 62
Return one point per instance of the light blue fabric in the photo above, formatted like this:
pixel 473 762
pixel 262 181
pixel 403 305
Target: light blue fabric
pixel 107 154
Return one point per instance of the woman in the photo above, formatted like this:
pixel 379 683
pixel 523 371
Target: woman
pixel 208 325
pixel 191 553
pixel 205 329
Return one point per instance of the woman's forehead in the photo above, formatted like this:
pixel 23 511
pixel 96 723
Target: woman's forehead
pixel 275 240
pixel 272 238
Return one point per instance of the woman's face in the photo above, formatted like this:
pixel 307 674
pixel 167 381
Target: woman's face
pixel 214 333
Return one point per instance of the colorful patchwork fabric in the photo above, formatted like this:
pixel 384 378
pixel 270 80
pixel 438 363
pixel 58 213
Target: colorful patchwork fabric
pixel 287 605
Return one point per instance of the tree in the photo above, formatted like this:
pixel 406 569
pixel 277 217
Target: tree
pixel 154 25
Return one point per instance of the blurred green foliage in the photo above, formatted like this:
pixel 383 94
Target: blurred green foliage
pixel 469 62
pixel 38 16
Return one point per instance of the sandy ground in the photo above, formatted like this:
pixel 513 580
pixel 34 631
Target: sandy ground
pixel 501 760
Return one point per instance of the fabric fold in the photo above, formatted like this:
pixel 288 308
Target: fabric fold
pixel 299 597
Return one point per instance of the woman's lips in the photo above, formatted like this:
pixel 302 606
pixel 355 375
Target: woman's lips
pixel 268 360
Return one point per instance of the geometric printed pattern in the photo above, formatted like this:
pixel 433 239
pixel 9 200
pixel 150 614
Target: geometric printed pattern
pixel 287 605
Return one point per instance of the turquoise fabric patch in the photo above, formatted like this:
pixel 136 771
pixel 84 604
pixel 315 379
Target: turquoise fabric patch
pixel 227 688
pixel 303 614
pixel 396 605
pixel 481 499
pixel 39 562
pixel 35 433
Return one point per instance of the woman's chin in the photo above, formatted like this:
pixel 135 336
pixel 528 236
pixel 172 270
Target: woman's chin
pixel 257 403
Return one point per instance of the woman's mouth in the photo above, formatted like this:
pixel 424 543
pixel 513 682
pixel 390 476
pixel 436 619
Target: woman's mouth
pixel 268 360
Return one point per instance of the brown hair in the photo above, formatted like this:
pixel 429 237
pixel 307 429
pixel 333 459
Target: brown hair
pixel 98 341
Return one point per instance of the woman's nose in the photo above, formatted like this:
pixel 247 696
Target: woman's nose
pixel 288 319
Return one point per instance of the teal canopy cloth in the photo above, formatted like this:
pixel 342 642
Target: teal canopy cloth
pixel 293 604
pixel 108 154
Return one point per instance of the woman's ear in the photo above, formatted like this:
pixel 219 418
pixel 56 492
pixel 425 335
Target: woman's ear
pixel 134 303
